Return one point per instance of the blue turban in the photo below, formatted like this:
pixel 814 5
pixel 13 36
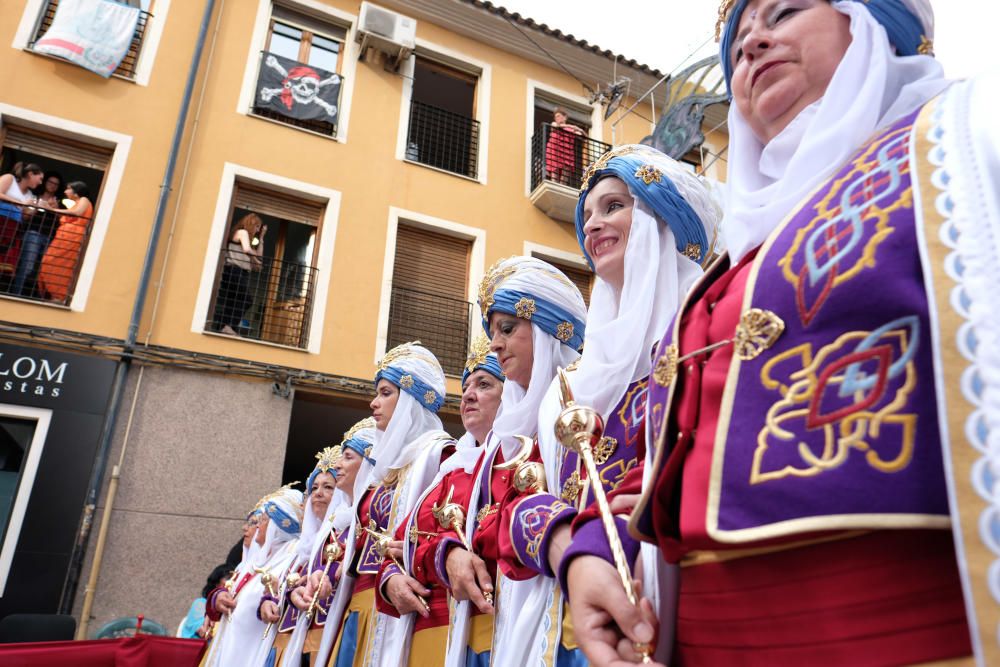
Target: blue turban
pixel 906 32
pixel 652 177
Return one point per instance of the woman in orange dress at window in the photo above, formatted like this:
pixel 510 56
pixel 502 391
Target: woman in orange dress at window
pixel 58 269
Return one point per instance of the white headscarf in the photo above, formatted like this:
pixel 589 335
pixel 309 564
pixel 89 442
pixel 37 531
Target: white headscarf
pixel 315 532
pixel 242 643
pixel 411 417
pixel 521 604
pixel 623 327
pixel 871 88
pixel 518 412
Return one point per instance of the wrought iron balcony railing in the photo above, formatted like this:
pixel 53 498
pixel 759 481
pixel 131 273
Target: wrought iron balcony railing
pixel 128 65
pixel 283 94
pixel 263 298
pixel 439 322
pixel 40 252
pixel 443 139
pixel 561 156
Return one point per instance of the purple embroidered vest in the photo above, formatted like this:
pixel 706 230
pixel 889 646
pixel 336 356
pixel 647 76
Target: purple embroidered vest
pixel 829 422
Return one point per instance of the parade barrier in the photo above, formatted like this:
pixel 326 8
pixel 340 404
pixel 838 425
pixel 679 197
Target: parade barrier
pixel 140 651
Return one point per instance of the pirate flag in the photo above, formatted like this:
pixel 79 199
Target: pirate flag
pixel 296 90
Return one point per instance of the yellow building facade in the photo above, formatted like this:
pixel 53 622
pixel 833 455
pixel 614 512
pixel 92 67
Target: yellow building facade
pixel 192 394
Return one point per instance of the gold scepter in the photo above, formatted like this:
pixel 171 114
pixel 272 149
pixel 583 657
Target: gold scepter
pixel 267 579
pixel 579 428
pixel 382 548
pixel 331 552
pixel 452 515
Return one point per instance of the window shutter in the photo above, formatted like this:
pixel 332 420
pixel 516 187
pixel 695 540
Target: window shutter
pixel 278 205
pixel 582 278
pixel 56 147
pixel 429 262
pixel 429 302
pixel 308 22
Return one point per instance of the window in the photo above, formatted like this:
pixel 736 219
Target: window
pixel 41 252
pixel 428 303
pixel 267 294
pixel 299 80
pixel 443 131
pixel 578 274
pixel 22 438
pixel 560 152
pixel 127 67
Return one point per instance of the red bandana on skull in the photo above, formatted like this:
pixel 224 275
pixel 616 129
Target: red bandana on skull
pixel 295 76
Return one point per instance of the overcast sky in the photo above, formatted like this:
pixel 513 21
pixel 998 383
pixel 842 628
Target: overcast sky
pixel 664 33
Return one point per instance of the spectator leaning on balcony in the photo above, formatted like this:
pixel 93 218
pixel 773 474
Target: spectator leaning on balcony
pixel 242 256
pixel 58 269
pixel 15 190
pixel 560 149
pixel 37 233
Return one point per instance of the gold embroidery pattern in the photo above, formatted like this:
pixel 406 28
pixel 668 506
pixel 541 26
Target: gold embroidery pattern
pixel 525 308
pixel 491 282
pixel 847 396
pixel 604 449
pixel 564 331
pixel 430 396
pixel 720 23
pixel 649 174
pixel 602 162
pixel 571 488
pixel 666 366
pixel 757 331
pixel 484 512
pixel 328 458
pixel 406 382
pixel 478 352
pixel 693 251
pixel 926 47
pixel 367 422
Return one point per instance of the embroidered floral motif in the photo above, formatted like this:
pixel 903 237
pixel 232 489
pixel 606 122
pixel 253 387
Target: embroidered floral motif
pixel 478 352
pixel 406 382
pixel 534 525
pixel 666 366
pixel 757 331
pixel 494 277
pixel 693 251
pixel 571 488
pixel 484 512
pixel 604 449
pixel 564 331
pixel 525 308
pixel 926 47
pixel 430 396
pixel 846 396
pixel 648 173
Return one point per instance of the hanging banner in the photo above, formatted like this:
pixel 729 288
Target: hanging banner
pixel 296 90
pixel 94 34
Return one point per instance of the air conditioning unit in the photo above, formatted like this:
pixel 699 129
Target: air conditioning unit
pixel 386 31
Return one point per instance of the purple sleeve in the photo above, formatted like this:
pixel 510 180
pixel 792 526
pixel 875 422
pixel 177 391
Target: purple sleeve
pixel 591 540
pixel 532 522
pixel 441 557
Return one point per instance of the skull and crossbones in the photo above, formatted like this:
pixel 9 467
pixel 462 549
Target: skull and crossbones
pixel 300 85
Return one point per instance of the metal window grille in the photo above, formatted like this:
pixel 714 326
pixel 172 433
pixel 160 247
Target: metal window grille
pixel 443 139
pixel 41 252
pixel 561 156
pixel 128 65
pixel 271 301
pixel 439 322
pixel 319 126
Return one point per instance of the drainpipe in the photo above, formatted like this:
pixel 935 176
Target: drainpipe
pixel 121 372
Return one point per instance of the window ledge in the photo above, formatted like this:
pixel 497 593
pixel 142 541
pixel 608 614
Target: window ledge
pixel 255 341
pixel 335 137
pixel 442 171
pixel 35 302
